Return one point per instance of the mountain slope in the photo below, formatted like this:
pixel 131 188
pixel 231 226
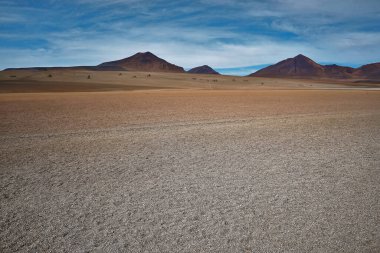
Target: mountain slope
pixel 369 71
pixel 144 62
pixel 299 66
pixel 336 71
pixel 205 69
pixel 303 67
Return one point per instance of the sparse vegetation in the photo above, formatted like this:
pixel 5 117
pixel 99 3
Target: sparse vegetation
pixel 50 75
pixel 89 77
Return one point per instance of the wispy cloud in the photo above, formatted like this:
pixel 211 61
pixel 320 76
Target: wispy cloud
pixel 220 33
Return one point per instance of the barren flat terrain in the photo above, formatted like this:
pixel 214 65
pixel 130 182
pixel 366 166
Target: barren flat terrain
pixel 191 169
pixel 70 81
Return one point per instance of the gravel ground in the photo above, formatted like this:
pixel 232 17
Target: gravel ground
pixel 294 180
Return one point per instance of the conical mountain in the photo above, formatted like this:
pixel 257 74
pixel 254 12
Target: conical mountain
pixel 299 66
pixel 205 69
pixel 144 62
pixel 303 67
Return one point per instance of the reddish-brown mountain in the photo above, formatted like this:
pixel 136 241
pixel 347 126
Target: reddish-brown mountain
pixel 144 62
pixel 339 72
pixel 299 66
pixel 369 71
pixel 205 69
pixel 303 67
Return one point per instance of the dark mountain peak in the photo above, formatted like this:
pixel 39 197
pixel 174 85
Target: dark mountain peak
pixel 298 66
pixel 144 54
pixel 300 56
pixel 301 66
pixel 205 69
pixel 298 61
pixel 305 59
pixel 145 61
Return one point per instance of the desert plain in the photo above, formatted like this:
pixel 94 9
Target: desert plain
pixel 159 162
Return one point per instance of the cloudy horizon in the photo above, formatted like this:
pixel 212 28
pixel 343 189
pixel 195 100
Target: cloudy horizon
pixel 233 37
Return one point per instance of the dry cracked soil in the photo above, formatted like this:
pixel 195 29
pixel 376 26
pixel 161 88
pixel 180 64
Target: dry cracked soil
pixel 190 171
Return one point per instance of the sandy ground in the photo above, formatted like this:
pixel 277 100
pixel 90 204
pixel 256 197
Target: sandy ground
pixel 69 81
pixel 190 171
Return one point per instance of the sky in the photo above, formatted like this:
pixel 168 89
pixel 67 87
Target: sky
pixel 232 36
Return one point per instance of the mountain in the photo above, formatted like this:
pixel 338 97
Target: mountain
pixel 369 71
pixel 205 69
pixel 144 62
pixel 299 66
pixel 339 72
pixel 303 67
pixel 138 62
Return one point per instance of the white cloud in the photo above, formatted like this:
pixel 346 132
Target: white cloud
pixel 94 50
pixel 326 31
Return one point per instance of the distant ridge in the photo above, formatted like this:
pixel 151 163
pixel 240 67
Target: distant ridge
pixel 301 66
pixel 92 68
pixel 137 62
pixel 205 69
pixel 144 62
pixel 369 71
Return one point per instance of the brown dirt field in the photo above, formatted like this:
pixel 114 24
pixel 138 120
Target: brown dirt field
pixel 77 81
pixel 190 171
pixel 50 112
pixel 22 86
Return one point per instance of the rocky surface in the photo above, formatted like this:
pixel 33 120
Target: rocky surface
pixel 190 171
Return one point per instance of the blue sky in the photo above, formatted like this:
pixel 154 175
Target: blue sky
pixel 235 37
